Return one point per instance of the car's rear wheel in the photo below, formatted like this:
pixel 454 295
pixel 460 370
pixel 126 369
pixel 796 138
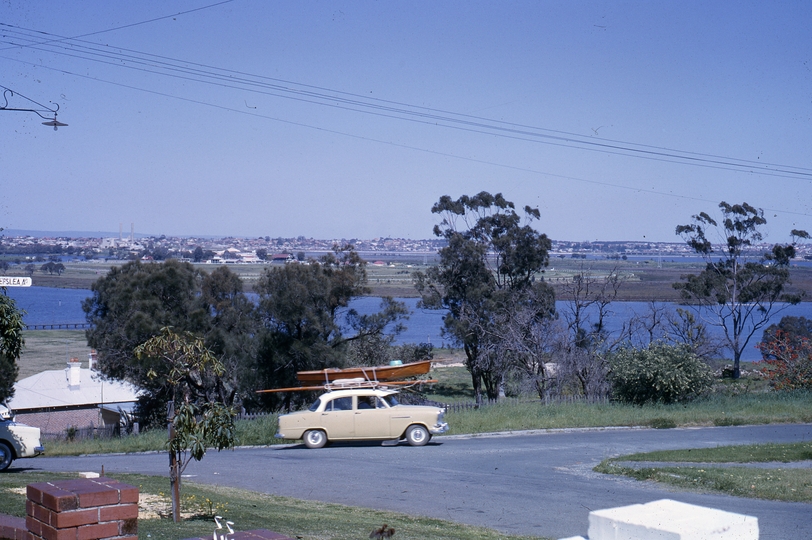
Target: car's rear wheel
pixel 417 435
pixel 6 456
pixel 315 438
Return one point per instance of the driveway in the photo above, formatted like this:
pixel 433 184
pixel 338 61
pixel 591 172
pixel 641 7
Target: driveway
pixel 532 483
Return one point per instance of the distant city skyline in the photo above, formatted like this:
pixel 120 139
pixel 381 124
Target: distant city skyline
pixel 100 242
pixel 618 120
pixel 138 235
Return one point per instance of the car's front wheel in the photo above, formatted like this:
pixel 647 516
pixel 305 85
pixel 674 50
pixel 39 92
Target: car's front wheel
pixel 417 435
pixel 6 456
pixel 315 438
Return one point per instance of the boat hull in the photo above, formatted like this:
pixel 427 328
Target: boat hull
pixel 369 373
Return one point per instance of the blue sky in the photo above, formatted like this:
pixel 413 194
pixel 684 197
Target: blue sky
pixel 350 119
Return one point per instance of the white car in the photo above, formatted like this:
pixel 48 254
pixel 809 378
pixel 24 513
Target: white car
pixel 16 440
pixel 362 414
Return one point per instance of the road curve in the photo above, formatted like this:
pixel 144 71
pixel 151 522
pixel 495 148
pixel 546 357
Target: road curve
pixel 538 483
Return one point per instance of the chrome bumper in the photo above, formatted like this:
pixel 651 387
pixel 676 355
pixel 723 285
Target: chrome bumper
pixel 439 428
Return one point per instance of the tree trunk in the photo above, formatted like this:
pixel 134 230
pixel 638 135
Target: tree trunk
pixel 174 485
pixel 737 354
pixel 491 385
pixel 174 465
pixel 476 380
pixel 476 374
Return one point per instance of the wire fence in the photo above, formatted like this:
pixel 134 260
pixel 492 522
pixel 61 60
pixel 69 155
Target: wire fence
pixel 416 399
pixel 548 400
pixel 82 434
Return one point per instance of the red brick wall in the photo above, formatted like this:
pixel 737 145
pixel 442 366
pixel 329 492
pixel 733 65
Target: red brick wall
pixel 82 509
pixel 56 422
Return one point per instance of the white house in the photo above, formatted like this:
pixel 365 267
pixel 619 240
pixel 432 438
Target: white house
pixel 75 397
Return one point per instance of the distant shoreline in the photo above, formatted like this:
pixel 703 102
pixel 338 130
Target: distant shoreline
pixel 646 280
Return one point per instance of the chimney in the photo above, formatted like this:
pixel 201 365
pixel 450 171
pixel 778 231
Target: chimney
pixel 73 372
pixel 91 359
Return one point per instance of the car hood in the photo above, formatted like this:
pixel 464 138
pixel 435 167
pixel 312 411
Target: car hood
pixel 25 438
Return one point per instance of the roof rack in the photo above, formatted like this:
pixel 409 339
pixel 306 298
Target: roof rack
pixel 351 384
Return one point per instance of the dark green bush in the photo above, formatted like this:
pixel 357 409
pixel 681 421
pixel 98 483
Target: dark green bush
pixel 660 373
pixel 662 423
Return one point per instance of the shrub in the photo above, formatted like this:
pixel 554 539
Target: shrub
pixel 662 423
pixel 789 361
pixel 660 373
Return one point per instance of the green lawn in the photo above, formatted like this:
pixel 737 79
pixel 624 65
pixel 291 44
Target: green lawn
pixel 778 483
pixel 249 510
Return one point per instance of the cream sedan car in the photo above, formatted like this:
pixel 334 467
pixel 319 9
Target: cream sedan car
pixel 16 440
pixel 362 414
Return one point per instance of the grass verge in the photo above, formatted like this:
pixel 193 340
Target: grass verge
pixel 780 484
pixel 773 407
pixel 746 453
pixel 250 510
pixel 765 408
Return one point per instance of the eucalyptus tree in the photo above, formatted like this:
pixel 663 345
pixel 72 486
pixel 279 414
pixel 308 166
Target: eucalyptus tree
pixel 491 253
pixel 741 286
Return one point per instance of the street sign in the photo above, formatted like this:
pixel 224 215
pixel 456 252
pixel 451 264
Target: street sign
pixel 15 281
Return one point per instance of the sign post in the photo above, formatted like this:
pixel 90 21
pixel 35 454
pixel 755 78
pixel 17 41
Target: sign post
pixel 8 281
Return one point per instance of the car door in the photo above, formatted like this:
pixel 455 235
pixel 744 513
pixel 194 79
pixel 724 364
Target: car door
pixel 337 418
pixel 371 418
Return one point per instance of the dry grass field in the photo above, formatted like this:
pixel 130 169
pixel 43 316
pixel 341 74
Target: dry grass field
pixel 51 349
pixel 645 280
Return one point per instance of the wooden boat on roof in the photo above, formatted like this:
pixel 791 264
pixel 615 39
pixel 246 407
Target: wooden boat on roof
pixel 368 373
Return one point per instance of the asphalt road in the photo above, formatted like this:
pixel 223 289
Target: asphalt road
pixel 532 483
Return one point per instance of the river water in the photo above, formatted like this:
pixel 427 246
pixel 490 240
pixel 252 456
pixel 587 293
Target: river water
pixel 45 305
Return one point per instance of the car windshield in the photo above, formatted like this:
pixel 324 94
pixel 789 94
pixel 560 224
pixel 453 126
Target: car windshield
pixel 391 400
pixel 315 405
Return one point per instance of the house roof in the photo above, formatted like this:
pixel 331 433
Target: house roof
pixel 52 389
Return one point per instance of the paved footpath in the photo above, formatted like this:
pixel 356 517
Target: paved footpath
pixel 538 483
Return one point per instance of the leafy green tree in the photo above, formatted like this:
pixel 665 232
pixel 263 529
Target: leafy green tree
pixel 741 289
pixel 197 419
pixel 132 303
pixel 52 268
pixel 488 249
pixel 129 306
pixel 230 330
pixel 300 308
pixel 262 254
pixel 11 344
pixel 660 373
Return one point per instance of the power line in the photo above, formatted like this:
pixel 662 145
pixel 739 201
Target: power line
pixel 155 19
pixel 408 147
pixel 225 78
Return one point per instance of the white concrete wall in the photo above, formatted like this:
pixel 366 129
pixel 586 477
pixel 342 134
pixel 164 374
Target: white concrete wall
pixel 669 520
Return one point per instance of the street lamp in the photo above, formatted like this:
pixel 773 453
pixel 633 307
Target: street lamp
pixel 8 92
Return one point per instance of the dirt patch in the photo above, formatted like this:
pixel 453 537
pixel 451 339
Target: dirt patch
pixel 152 506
